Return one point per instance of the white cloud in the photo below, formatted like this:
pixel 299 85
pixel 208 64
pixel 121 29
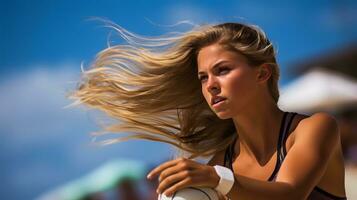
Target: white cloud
pixel 183 11
pixel 33 102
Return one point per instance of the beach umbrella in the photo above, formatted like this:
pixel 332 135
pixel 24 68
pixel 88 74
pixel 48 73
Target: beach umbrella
pixel 319 90
pixel 106 177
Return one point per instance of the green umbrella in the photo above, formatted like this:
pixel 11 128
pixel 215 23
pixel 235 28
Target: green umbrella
pixel 106 177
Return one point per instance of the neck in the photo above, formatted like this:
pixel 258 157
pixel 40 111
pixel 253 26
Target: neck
pixel 258 131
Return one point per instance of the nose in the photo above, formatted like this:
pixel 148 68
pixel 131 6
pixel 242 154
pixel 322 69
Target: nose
pixel 213 86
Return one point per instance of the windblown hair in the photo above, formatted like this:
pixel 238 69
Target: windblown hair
pixel 150 86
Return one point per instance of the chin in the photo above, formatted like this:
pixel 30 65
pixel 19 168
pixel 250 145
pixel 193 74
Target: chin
pixel 222 115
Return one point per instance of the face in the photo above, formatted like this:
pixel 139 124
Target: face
pixel 228 82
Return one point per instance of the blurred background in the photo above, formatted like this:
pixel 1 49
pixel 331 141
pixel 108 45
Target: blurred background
pixel 46 151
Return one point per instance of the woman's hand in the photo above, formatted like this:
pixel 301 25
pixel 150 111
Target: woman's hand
pixel 181 173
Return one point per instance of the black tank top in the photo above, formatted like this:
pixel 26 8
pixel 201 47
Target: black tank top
pixel 317 193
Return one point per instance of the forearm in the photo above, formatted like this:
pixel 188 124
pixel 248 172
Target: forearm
pixel 246 189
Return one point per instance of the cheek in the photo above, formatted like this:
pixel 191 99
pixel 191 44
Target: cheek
pixel 241 85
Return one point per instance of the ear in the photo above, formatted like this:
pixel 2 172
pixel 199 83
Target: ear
pixel 264 72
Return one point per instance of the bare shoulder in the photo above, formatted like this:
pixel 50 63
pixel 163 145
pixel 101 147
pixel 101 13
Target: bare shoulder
pixel 320 126
pixel 320 119
pixel 315 158
pixel 319 133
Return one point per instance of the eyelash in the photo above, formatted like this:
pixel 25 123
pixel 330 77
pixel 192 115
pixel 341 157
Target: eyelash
pixel 225 69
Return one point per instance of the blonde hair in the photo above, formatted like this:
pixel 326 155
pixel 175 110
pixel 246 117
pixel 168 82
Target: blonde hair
pixel 150 86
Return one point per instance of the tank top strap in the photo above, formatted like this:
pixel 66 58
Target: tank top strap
pixel 227 158
pixel 228 155
pixel 281 150
pixel 282 140
pixel 281 135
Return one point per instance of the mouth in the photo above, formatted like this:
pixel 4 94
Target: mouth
pixel 217 100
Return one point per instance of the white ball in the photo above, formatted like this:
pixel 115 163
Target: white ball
pixel 192 193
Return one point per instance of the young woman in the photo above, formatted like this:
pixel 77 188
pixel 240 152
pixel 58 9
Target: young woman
pixel 213 91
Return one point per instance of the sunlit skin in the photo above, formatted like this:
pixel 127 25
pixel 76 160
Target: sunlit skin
pixel 314 154
pixel 248 101
pixel 227 74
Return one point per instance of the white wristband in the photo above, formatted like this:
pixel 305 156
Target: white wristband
pixel 226 179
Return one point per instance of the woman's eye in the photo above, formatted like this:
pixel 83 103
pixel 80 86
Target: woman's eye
pixel 202 78
pixel 223 70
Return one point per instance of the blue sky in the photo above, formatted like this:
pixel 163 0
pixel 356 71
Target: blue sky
pixel 43 43
pixel 57 31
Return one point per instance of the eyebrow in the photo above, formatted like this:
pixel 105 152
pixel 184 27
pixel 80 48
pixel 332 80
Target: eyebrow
pixel 214 66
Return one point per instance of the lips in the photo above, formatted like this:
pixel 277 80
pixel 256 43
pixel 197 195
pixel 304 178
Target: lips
pixel 217 99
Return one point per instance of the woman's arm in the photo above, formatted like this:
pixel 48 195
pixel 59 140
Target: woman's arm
pixel 315 140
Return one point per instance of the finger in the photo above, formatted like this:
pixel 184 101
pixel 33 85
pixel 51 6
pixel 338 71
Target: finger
pixel 163 166
pixel 179 167
pixel 159 168
pixel 171 180
pixel 178 186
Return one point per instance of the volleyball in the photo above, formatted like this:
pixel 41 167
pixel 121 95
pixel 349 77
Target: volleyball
pixel 192 193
